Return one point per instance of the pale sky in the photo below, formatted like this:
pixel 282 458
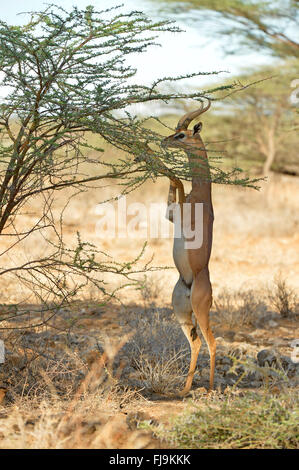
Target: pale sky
pixel 180 54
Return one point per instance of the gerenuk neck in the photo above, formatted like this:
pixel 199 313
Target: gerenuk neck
pixel 199 167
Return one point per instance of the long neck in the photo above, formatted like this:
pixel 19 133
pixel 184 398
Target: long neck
pixel 199 167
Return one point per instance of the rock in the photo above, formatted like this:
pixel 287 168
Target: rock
pixel 205 373
pixel 230 335
pixel 267 357
pixel 238 337
pixel 272 324
pixel 239 350
pixel 227 361
pixel 263 321
pixel 257 333
pixel 241 337
pixel 220 340
pixel 225 369
pixel 255 384
pixel 286 362
pixel 284 330
pixel 291 368
pixel 222 360
pixel 231 379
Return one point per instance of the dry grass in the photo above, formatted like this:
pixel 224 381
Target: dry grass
pixel 61 410
pixel 253 421
pixel 164 375
pixel 157 354
pixel 47 425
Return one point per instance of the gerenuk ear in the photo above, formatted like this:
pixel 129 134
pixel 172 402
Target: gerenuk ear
pixel 197 128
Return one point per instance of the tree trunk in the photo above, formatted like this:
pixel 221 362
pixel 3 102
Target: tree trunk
pixel 270 153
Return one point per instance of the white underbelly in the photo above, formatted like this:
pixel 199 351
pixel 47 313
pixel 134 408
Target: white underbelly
pixel 181 261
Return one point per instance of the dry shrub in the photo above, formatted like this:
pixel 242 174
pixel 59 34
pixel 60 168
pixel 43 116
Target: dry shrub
pixel 239 308
pixel 150 290
pixel 156 333
pixel 162 374
pixel 158 351
pixel 283 298
pixel 41 375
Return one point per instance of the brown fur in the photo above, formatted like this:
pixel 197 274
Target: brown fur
pixel 197 259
